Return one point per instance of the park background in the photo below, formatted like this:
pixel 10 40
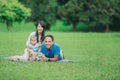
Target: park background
pixel 86 30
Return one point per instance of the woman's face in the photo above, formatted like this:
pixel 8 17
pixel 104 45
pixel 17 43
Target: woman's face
pixel 39 28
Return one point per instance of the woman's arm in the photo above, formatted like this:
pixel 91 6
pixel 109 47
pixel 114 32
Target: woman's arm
pixel 28 40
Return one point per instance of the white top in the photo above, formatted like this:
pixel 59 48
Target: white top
pixel 32 34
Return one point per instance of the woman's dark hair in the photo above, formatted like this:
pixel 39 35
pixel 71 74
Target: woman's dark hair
pixel 42 23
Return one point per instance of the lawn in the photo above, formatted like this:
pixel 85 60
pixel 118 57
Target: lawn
pixel 96 57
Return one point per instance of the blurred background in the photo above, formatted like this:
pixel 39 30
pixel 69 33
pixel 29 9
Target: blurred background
pixel 61 15
pixel 88 32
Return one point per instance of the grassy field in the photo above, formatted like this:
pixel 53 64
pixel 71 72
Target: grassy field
pixel 96 56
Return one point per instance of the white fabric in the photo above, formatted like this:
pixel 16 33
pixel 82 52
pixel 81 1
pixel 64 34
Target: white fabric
pixel 28 40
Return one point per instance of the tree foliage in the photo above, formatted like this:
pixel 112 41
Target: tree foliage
pixel 100 13
pixel 42 10
pixel 12 11
pixel 92 12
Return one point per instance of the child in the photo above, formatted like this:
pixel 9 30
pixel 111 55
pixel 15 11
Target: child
pixel 33 48
pixel 32 51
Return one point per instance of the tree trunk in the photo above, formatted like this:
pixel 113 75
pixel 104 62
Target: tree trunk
pixel 8 24
pixel 74 28
pixel 107 28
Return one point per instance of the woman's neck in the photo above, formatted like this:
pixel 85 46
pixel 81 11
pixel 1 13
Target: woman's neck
pixel 39 34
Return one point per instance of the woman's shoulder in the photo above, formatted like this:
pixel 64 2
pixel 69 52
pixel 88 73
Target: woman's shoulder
pixel 32 33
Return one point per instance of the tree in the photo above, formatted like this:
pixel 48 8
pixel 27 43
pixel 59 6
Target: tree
pixel 104 12
pixel 72 12
pixel 42 10
pixel 92 12
pixel 12 11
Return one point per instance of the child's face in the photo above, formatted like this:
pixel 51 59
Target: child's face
pixel 33 41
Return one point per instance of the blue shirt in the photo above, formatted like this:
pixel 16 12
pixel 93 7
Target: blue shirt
pixel 55 50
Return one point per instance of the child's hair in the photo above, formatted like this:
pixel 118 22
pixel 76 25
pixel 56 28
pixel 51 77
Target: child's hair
pixel 33 36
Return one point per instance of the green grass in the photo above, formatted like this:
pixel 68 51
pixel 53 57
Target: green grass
pixel 96 57
pixel 18 27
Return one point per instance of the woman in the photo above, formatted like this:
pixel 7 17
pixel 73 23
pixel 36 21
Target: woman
pixel 40 33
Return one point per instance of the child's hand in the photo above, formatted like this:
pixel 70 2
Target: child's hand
pixel 30 51
pixel 45 58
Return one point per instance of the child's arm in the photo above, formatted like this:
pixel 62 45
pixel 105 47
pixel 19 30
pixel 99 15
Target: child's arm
pixel 29 50
pixel 39 48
